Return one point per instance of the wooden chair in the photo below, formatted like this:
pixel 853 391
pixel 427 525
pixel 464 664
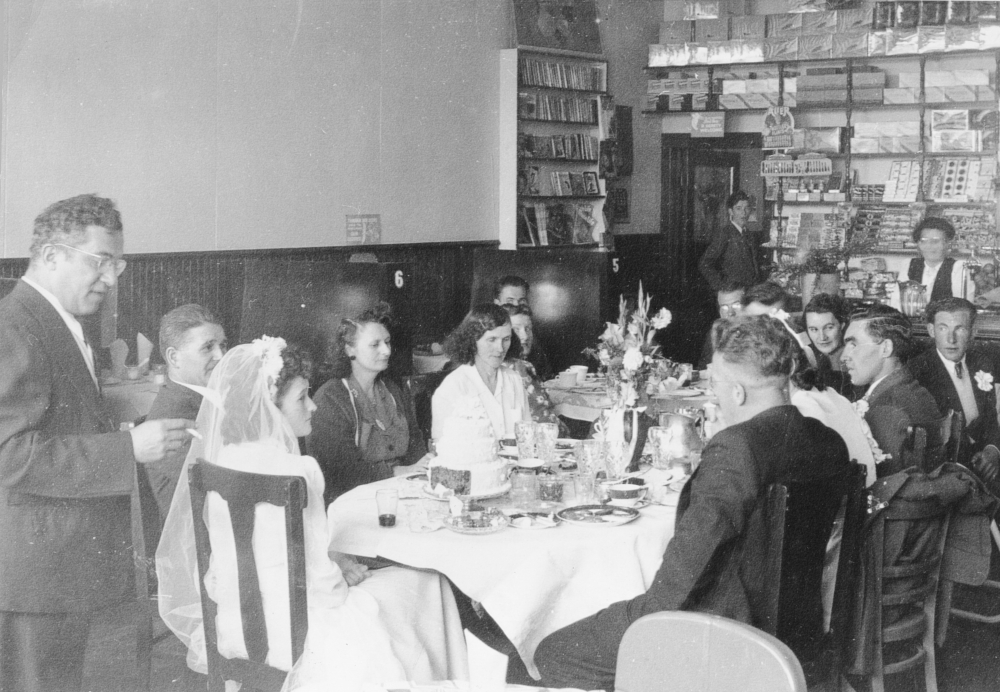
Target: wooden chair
pixel 907 590
pixel 243 491
pixel 801 521
pixel 989 584
pixel 941 442
pixel 678 651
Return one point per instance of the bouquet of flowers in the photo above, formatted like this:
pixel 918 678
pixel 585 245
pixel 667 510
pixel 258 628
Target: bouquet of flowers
pixel 627 355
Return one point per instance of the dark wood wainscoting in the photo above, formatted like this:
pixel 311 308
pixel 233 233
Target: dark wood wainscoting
pixel 440 290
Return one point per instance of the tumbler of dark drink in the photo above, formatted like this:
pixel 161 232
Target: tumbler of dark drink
pixel 386 500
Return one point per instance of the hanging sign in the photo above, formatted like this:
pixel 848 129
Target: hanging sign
pixel 779 123
pixel 708 124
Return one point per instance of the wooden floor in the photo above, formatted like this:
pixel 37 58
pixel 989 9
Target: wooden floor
pixel 969 661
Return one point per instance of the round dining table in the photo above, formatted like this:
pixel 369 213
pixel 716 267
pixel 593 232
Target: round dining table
pixel 531 581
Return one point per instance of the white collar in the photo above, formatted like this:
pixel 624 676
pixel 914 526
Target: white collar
pixel 193 387
pixel 873 385
pixel 74 324
pixel 949 365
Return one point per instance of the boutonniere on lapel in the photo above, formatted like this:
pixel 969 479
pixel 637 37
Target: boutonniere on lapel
pixel 984 381
pixel 861 407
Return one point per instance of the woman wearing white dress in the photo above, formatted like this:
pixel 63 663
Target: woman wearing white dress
pixel 388 625
pixel 483 383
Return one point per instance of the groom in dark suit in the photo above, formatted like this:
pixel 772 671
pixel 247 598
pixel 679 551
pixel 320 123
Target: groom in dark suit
pixel 960 377
pixel 715 561
pixel 65 471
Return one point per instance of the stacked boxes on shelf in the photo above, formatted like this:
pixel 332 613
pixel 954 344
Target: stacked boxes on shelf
pixel 809 230
pixel 885 28
pixel 829 86
pixel 891 137
pixel 870 281
pixel 903 183
pixel 680 91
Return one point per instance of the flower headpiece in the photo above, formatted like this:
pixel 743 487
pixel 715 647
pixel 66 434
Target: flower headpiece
pixel 269 349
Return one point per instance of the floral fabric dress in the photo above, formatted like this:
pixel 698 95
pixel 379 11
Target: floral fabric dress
pixel 542 408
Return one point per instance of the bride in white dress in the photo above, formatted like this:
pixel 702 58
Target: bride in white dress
pixel 387 625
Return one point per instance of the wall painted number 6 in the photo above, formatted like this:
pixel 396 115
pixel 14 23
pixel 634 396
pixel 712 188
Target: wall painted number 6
pixel 399 278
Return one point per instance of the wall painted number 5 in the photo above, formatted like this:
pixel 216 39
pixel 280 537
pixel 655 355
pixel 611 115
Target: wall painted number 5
pixel 399 278
pixel 614 265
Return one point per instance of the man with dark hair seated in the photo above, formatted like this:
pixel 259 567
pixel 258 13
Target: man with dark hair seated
pixel 960 377
pixel 877 343
pixel 769 298
pixel 715 561
pixel 510 290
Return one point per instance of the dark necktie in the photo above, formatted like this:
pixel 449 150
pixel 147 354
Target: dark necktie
pixel 958 370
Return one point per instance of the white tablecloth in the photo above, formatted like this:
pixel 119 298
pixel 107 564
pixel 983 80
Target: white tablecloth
pixel 532 582
pixel 586 402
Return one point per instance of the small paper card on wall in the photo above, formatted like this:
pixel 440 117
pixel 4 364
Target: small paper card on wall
pixel 708 124
pixel 364 229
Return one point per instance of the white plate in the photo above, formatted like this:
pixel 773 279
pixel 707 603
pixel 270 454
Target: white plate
pixel 598 515
pixel 529 463
pixel 681 393
pixel 633 504
pixel 530 520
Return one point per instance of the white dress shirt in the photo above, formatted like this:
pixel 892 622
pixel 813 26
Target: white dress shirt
pixel 75 328
pixel 963 386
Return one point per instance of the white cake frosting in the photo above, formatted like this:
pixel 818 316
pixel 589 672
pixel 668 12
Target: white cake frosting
pixel 466 460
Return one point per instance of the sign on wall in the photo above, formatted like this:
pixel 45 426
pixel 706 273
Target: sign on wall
pixel 364 229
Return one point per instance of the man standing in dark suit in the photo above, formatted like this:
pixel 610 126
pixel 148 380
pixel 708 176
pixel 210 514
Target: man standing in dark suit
pixel 65 471
pixel 877 343
pixel 734 255
pixel 960 377
pixel 192 342
pixel 715 561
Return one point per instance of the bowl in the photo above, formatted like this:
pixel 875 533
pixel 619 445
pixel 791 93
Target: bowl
pixel 626 491
pixel 568 379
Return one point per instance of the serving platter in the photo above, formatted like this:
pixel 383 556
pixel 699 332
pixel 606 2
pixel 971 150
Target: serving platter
pixel 488 522
pixel 598 515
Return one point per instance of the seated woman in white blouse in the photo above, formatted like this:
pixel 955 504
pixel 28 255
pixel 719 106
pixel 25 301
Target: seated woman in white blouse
pixel 482 381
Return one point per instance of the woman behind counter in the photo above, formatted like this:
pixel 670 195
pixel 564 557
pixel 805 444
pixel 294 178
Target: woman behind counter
pixel 483 381
pixel 364 426
pixel 940 274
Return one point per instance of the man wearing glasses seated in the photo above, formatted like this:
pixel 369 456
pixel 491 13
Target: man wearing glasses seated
pixel 877 344
pixel 730 301
pixel 715 561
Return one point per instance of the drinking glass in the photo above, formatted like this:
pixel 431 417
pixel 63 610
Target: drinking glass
pixel 386 501
pixel 617 459
pixel 525 433
pixel 590 456
pixel 684 372
pixel 658 438
pixel 522 486
pixel 546 435
pixel 550 488
pixel 585 491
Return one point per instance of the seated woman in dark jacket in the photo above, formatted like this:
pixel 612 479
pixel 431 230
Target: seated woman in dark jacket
pixel 364 425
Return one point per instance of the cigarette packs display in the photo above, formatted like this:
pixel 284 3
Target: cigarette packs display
pixel 850 44
pixel 753 26
pixel 899 96
pixel 676 32
pixel 779 25
pixel 781 48
pixel 955 141
pixel 815 47
pixel 706 30
pixel 949 120
pixel 930 39
pixel 854 19
pixel 961 38
pixel 819 23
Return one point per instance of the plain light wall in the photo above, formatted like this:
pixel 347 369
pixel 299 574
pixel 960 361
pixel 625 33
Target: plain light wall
pixel 240 124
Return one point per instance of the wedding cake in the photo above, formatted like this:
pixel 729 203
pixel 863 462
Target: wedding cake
pixel 466 460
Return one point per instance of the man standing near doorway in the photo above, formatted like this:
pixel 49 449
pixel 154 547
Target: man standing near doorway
pixel 66 473
pixel 733 256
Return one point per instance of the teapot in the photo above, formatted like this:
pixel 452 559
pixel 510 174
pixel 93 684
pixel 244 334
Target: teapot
pixel 681 436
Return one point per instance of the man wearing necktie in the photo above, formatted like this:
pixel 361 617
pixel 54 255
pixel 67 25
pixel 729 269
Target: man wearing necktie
pixel 960 377
pixel 66 472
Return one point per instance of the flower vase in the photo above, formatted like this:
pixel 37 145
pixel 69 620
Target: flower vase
pixel 624 436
